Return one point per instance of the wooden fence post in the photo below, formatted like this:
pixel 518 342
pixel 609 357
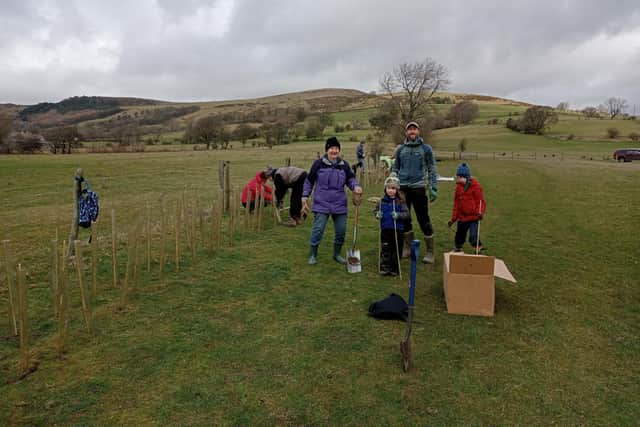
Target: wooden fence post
pixel 22 316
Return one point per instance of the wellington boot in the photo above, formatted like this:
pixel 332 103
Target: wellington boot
pixel 406 248
pixel 313 255
pixel 336 254
pixel 429 257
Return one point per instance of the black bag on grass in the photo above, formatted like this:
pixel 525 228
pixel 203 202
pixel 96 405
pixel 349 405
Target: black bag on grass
pixel 392 307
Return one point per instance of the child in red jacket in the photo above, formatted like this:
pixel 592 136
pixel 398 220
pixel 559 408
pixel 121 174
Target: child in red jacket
pixel 257 188
pixel 468 208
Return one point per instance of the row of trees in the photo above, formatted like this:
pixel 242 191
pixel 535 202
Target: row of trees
pixel 612 107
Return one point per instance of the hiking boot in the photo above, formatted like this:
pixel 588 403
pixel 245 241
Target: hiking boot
pixel 290 223
pixel 456 249
pixel 429 258
pixel 298 220
pixel 406 248
pixel 336 254
pixel 313 255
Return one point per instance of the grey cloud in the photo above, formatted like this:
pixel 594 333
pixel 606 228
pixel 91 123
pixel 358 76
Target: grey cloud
pixel 163 49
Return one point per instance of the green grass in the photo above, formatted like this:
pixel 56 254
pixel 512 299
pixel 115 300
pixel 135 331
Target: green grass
pixel 250 334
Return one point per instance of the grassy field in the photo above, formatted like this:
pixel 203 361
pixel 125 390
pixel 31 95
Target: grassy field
pixel 250 334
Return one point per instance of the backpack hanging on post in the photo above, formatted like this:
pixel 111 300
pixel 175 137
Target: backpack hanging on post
pixel 88 207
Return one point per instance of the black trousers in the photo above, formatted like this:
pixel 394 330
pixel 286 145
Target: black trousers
pixel 417 197
pixel 461 233
pixel 389 251
pixel 295 202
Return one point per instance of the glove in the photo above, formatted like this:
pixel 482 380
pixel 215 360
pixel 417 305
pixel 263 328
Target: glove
pixel 357 196
pixel 378 214
pixel 395 215
pixel 433 194
pixel 480 217
pixel 450 223
pixel 280 204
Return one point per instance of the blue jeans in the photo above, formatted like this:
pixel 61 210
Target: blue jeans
pixel 320 222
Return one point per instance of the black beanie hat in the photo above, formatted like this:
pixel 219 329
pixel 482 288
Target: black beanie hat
pixel 332 141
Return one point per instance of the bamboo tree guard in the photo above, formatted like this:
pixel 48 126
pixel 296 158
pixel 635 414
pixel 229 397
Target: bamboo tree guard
pixel 148 236
pixel 94 260
pixel 62 303
pixel 22 316
pixel 86 313
pixel 54 275
pixel 8 271
pixel 77 188
pixel 114 253
pixel 177 231
pixel 163 236
pixel 136 244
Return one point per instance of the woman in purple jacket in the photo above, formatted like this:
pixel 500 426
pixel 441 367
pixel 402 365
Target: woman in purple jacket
pixel 329 175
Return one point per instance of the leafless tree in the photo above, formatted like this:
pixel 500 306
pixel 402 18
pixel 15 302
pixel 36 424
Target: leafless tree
pixel 411 85
pixel 206 130
pixel 6 125
pixel 615 106
pixel 590 112
pixel 563 106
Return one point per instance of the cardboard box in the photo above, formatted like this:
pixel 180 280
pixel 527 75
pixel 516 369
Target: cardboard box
pixel 469 282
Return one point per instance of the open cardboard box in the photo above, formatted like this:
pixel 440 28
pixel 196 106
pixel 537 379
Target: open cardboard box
pixel 469 282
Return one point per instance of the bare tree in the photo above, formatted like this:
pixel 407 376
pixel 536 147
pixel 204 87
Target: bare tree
pixel 563 106
pixel 463 113
pixel 411 85
pixel 6 125
pixel 590 112
pixel 206 130
pixel 615 106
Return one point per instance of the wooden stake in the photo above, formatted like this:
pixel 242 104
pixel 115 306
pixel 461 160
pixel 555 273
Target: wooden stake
pixel 163 237
pixel 94 260
pixel 148 238
pixel 61 301
pixel 177 230
pixel 8 271
pixel 53 275
pixel 22 316
pixel 114 253
pixel 83 292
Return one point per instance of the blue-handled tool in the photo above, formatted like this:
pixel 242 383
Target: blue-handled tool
pixel 405 344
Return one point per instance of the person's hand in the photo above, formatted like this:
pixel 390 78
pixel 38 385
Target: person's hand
pixel 480 217
pixel 395 215
pixel 357 196
pixel 378 214
pixel 281 204
pixel 450 223
pixel 305 206
pixel 433 194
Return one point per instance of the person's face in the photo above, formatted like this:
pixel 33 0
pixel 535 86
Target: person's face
pixel 461 179
pixel 333 153
pixel 392 191
pixel 412 133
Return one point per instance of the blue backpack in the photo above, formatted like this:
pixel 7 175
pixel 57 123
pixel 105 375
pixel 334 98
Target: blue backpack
pixel 88 207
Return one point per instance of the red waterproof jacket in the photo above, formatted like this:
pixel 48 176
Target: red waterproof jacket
pixel 253 187
pixel 469 204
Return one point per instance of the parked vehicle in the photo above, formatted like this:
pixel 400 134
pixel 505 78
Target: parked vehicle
pixel 627 154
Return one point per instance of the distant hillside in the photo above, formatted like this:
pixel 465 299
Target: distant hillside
pixel 108 118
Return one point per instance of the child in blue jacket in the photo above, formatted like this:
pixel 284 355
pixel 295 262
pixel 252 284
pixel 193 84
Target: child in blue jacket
pixel 392 212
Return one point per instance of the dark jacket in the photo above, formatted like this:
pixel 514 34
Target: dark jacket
pixel 329 180
pixel 468 202
pixel 387 205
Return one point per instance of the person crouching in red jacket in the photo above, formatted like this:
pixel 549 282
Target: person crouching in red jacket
pixel 468 208
pixel 257 187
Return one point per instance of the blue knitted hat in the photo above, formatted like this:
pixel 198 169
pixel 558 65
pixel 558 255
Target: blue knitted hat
pixel 464 170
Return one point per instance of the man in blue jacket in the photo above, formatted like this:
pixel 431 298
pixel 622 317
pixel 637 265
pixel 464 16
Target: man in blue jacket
pixel 415 167
pixel 327 178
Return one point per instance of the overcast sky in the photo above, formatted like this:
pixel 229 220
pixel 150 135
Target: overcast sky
pixel 542 51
